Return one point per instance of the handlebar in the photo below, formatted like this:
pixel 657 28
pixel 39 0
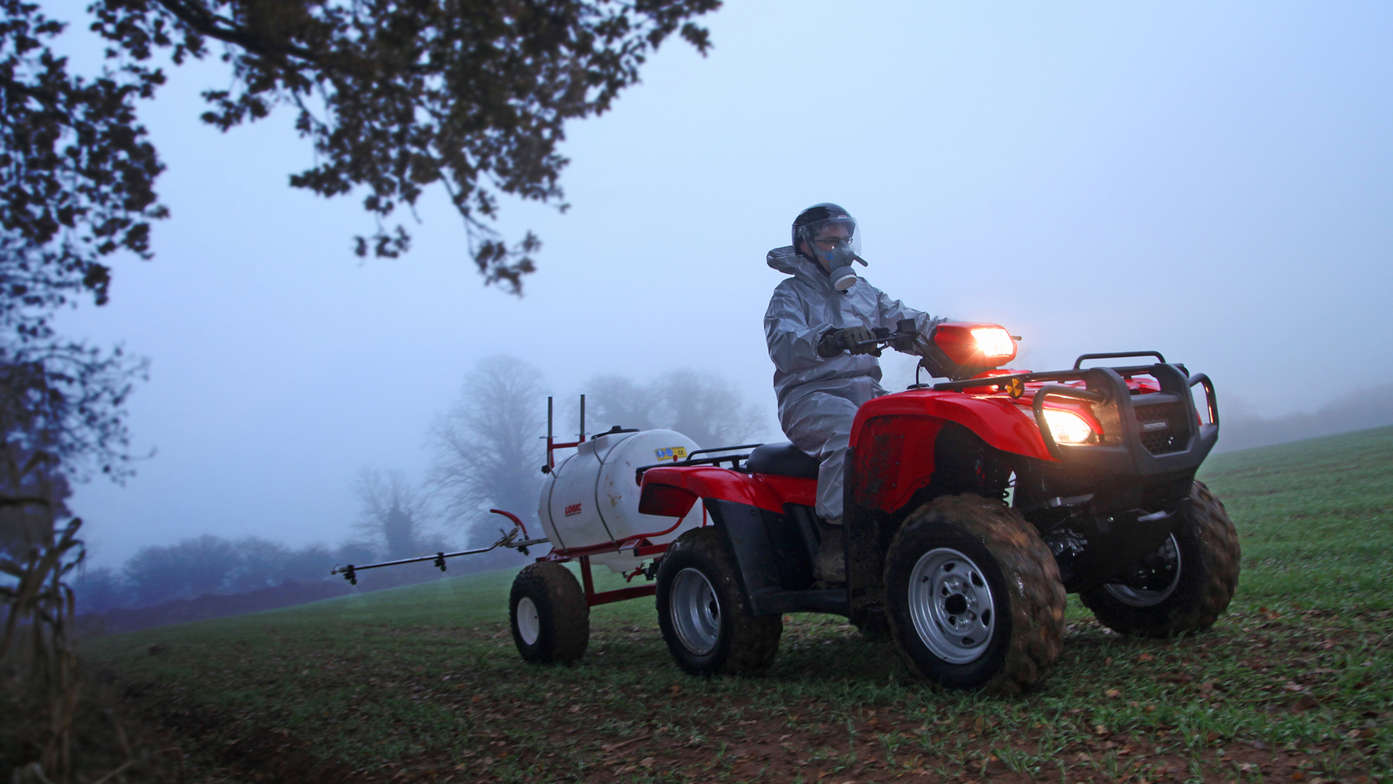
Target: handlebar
pixel 906 328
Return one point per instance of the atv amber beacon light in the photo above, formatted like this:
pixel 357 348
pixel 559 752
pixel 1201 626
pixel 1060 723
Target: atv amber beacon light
pixel 994 342
pixel 975 347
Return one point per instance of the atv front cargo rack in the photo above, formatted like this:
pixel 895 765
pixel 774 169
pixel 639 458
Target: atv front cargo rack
pixel 1150 432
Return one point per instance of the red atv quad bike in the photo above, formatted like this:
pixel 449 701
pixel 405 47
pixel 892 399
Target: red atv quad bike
pixel 972 507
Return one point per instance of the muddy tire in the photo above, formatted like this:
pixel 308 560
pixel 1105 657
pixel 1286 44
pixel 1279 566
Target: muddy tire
pixel 702 613
pixel 548 614
pixel 973 596
pixel 1182 587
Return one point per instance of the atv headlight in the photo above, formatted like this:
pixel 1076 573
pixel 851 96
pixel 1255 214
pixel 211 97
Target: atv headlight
pixel 1067 427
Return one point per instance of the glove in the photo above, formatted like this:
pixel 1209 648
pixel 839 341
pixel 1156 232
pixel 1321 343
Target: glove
pixel 835 341
pixel 906 337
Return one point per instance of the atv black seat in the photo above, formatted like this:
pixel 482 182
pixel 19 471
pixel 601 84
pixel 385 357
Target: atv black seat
pixel 783 459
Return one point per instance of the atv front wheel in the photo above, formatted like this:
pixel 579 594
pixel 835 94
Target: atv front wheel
pixel 548 614
pixel 973 596
pixel 1182 587
pixel 702 612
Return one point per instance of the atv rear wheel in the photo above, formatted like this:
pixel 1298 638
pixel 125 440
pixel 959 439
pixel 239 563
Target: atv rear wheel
pixel 973 596
pixel 702 613
pixel 548 614
pixel 1182 587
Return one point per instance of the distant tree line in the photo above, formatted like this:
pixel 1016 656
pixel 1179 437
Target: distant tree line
pixel 206 565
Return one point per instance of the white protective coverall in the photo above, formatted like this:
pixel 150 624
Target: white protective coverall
pixel 818 396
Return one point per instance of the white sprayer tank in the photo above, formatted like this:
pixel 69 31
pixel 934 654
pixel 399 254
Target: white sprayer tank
pixel 591 497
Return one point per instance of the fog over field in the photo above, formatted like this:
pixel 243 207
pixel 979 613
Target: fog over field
pixel 1212 181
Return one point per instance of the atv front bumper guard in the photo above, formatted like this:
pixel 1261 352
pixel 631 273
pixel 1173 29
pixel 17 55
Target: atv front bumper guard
pixel 1144 434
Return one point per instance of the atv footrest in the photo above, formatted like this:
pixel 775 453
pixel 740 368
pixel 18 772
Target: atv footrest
pixel 828 600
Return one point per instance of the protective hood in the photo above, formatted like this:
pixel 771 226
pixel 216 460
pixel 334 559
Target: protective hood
pixel 790 262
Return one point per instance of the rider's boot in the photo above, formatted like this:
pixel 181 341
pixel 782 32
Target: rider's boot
pixel 830 564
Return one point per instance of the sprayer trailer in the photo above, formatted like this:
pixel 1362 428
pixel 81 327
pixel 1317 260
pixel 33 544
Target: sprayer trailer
pixel 589 509
pixel 972 507
pixel 589 513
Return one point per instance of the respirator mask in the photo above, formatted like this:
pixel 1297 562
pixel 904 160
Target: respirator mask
pixel 837 262
pixel 835 244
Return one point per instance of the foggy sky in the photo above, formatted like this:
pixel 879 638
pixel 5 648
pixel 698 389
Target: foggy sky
pixel 1207 180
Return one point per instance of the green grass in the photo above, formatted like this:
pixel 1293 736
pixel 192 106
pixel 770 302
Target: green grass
pixel 1295 683
pixel 1314 518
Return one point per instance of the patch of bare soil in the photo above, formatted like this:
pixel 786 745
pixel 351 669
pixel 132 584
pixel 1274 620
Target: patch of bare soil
pixel 202 747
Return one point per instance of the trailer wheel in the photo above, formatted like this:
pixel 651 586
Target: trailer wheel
pixel 702 612
pixel 1182 587
pixel 548 614
pixel 973 596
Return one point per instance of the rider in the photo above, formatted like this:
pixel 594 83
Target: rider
pixel 817 327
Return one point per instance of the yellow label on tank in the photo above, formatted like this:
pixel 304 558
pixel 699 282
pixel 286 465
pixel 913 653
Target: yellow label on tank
pixel 673 453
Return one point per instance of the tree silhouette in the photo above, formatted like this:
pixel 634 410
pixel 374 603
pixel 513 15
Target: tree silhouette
pixel 392 512
pixel 488 447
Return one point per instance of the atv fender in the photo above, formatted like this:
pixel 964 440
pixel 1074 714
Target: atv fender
pixel 902 444
pixel 764 491
pixel 1001 423
pixel 756 514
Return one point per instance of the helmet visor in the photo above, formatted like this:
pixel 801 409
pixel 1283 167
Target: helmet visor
pixel 831 237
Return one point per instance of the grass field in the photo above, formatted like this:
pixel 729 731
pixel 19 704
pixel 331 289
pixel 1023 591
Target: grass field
pixel 1295 683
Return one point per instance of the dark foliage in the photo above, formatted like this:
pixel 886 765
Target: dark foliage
pixel 398 95
pixel 76 174
pixel 76 169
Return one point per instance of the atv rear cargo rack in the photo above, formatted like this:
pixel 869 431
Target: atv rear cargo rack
pixel 693 460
